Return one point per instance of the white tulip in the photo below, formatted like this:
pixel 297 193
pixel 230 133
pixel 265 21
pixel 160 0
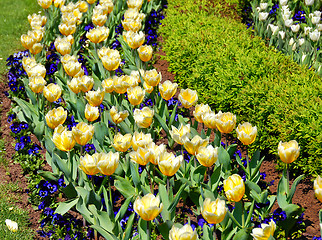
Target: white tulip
pixel 263 6
pixel 319 27
pixel 273 28
pixel 303 57
pixel 282 34
pixel 294 47
pixel 307 30
pixel 301 41
pixel 315 20
pixel 309 2
pixel 283 2
pixel 295 28
pixel 263 16
pixel 288 22
pixel 315 35
pixel 317 14
pixel 291 41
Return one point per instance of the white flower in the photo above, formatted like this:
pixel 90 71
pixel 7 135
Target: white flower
pixel 283 2
pixel 315 20
pixel 12 225
pixel 282 34
pixel 319 27
pixel 295 28
pixel 273 28
pixel 303 57
pixel 288 22
pixel 317 14
pixel 291 41
pixel 309 2
pixel 294 47
pixel 263 6
pixel 262 16
pixel 301 41
pixel 307 30
pixel 315 35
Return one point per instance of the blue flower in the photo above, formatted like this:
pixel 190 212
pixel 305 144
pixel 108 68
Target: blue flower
pixel 19 146
pixel 15 127
pixel 25 139
pixel 24 125
pixel 43 193
pixel 89 147
pixel 61 182
pixel 52 188
pixel 42 205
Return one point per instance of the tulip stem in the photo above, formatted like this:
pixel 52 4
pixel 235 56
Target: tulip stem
pixel 209 177
pixel 102 185
pixel 110 190
pixel 243 213
pixel 215 236
pixel 247 164
pixel 148 230
pixel 168 185
pixel 288 179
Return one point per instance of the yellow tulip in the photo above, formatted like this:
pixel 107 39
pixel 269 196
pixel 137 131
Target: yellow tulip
pixel 192 146
pixel 246 133
pixel 155 150
pixel 184 233
pixel 36 48
pixel 234 188
pixel 12 225
pixel 137 74
pixel 200 111
pixel 135 95
pixel 28 62
pixel 91 113
pixel 37 84
pixel 59 3
pixel 107 162
pixel 44 3
pixel 95 98
pixel 83 133
pixel 132 25
pixel 91 1
pixel 288 151
pixel 108 5
pixel 99 19
pixel 188 97
pixel 36 70
pixel 214 211
pixel 120 86
pixel 70 39
pixel 145 53
pixel 143 118
pixel 134 40
pixel 131 80
pixel 55 117
pixel 140 140
pixel 118 117
pixel 168 163
pixel 147 87
pixel 209 120
pixel 88 164
pixel 37 35
pixel 180 134
pixel 52 92
pixel 265 232
pixel 111 59
pixel 132 13
pixel 27 41
pixel 74 85
pixel 152 77
pixel 72 68
pixel 141 156
pixel 168 89
pixel 318 188
pixel 63 139
pixel 82 6
pixel 67 29
pixel 98 34
pixel 207 156
pixel 66 58
pixel 63 45
pixel 225 122
pixel 41 20
pixel 86 83
pixel 137 4
pixel 148 207
pixel 122 142
pixel 108 85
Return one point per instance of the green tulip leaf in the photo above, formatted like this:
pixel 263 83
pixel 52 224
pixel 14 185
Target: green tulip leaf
pixel 64 207
pixel 231 149
pixel 128 229
pixel 242 234
pixel 104 233
pixel 123 209
pixel 176 199
pixel 164 228
pixel 125 187
pixel 224 159
pixel 293 188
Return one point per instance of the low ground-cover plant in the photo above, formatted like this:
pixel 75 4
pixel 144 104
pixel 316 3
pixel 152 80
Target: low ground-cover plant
pixel 233 70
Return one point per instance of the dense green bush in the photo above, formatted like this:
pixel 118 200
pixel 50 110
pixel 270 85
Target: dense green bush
pixel 234 71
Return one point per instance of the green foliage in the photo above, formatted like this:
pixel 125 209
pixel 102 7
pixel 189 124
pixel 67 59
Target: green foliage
pixel 234 71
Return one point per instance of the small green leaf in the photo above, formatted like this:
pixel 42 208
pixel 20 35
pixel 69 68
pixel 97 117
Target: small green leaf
pixel 64 207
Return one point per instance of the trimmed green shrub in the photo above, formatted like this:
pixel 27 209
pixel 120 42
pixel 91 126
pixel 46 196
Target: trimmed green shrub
pixel 234 71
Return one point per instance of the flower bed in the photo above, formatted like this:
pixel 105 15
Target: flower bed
pixel 101 144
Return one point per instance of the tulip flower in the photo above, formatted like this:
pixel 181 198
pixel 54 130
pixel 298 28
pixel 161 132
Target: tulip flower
pixel 72 68
pixel 74 85
pixel 180 134
pixel 37 18
pixel 66 58
pixel 188 97
pixel 184 233
pixel 118 117
pixel 309 2
pixel 167 89
pixel 132 81
pixel 141 156
pixel 82 6
pixel 265 232
pixel 143 118
pixel 86 83
pixel 214 211
pixel 59 3
pixel 99 19
pixel 91 113
pixel 315 35
pixel 225 122
pixel 111 59
pixel 63 139
pixel 120 86
pixel 207 156
pixel 295 28
pixel 95 98
pixel 122 142
pixel 246 133
pixel 132 13
pixel 288 151
pixel 98 34
pixel 152 77
pixel 63 45
pixel 135 95
pixel 44 3
pixel 262 16
pixel 12 225
pixel 55 117
pixel 88 164
pixel 107 162
pixel 27 41
pixel 83 133
pixel 140 140
pixel 200 110
pixel 192 146
pixel 134 40
pixel 148 207
pixel 318 188
pixel 108 85
pixel 137 4
pixel 52 92
pixel 67 29
pixel 147 87
pixel 36 70
pixel 155 150
pixel 234 188
pixel 36 48
pixel 107 5
pixel 133 25
pixel 37 84
pixel 28 62
pixel 91 1
pixel 145 53
pixel 209 119
pixel 168 163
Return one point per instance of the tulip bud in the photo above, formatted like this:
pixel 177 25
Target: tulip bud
pixel 143 118
pixel 91 113
pixel 152 77
pixel 265 232
pixel 145 53
pixel 207 156
pixel 214 211
pixel 140 140
pixel 192 146
pixel 178 135
pixel 44 3
pixel 37 84
pixel 95 98
pixel 200 110
pixel 107 163
pixel 167 89
pixel 246 133
pixel 225 122
pixel 188 97
pixel 118 117
pixel 88 164
pixel 168 163
pixel 288 151
pixel 122 142
pixel 12 225
pixel 318 188
pixel 148 207
pixel 108 85
pixel 63 139
pixel 135 95
pixel 83 133
pixel 52 92
pixel 184 233
pixel 234 188
pixel 55 117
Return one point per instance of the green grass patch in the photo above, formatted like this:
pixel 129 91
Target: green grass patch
pixel 234 71
pixel 14 23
